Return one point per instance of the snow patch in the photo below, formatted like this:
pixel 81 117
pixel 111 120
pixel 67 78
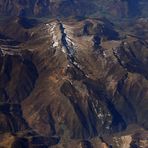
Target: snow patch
pixel 52 31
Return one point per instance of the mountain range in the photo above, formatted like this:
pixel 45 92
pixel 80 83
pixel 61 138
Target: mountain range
pixel 73 74
pixel 68 8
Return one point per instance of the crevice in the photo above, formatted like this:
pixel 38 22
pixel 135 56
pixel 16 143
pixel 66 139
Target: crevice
pixel 133 64
pixel 126 99
pixel 92 118
pixel 70 51
pixel 69 91
pixel 118 123
pixel 51 121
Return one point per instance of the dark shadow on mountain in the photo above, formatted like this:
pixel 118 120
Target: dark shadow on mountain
pixel 27 23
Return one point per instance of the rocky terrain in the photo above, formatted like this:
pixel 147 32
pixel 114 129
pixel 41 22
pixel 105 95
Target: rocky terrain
pixel 73 83
pixel 67 8
pixel 71 78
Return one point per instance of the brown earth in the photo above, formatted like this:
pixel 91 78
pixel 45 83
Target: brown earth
pixel 72 83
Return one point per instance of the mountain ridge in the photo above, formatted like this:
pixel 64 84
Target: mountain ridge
pixel 72 82
pixel 65 8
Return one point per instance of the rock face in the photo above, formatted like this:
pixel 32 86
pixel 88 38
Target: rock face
pixel 64 80
pixel 66 8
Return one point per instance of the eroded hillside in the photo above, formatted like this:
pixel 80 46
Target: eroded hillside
pixel 72 83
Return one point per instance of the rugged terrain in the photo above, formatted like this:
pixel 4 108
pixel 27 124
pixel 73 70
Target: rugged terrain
pixel 70 78
pixel 78 8
pixel 73 83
